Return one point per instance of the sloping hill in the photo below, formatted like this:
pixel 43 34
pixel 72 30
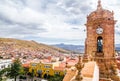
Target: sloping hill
pixel 9 43
pixel 74 48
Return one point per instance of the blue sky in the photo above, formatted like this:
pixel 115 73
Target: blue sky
pixel 51 21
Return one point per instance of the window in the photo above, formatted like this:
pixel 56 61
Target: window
pixel 47 71
pixel 34 64
pixel 109 19
pixel 9 65
pixel 47 66
pixel 57 72
pixel 39 71
pixel 3 66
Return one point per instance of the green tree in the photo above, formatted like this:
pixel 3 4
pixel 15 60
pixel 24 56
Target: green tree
pixel 32 74
pixel 2 72
pixel 15 69
pixel 26 70
pixel 56 78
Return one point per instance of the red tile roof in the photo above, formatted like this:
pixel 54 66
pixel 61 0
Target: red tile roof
pixel 59 68
pixel 46 60
pixel 26 65
pixel 63 64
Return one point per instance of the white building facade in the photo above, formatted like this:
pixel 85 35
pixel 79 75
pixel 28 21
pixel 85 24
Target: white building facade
pixel 5 63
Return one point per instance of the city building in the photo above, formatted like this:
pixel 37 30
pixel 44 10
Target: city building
pixel 4 63
pixel 44 67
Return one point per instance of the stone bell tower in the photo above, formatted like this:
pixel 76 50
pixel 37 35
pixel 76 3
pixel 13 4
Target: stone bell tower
pixel 99 43
pixel 100 33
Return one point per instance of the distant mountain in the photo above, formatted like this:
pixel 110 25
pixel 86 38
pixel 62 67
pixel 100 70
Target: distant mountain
pixel 117 47
pixel 78 48
pixel 11 43
pixel 74 48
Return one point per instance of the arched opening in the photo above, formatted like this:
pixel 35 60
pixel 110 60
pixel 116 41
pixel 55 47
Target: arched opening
pixel 39 73
pixel 99 44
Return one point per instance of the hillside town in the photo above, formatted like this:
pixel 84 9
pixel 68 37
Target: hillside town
pixel 43 62
pixel 51 60
pixel 28 60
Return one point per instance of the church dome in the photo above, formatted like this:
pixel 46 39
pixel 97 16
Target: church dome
pixel 100 13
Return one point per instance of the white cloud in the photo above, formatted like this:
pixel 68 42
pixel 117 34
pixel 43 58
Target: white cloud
pixel 50 19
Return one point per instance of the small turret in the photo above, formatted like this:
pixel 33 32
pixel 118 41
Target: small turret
pixel 99 6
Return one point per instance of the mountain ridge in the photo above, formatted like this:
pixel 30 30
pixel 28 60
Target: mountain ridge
pixel 74 48
pixel 23 44
pixel 78 48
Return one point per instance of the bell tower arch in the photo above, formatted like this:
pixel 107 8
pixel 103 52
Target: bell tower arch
pixel 99 44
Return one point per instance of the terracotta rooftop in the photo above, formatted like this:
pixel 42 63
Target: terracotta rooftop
pixel 63 64
pixel 59 68
pixel 26 65
pixel 46 61
pixel 72 62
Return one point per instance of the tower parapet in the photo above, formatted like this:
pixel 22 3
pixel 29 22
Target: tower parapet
pixel 101 13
